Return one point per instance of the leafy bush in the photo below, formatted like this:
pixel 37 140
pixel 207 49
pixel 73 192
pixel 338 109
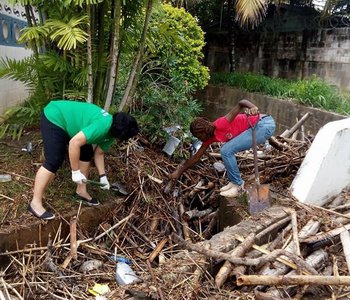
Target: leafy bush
pixel 171 72
pixel 177 42
pixel 312 92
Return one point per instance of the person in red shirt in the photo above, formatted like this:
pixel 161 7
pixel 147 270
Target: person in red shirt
pixel 234 130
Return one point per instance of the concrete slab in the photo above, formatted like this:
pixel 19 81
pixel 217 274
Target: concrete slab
pixel 325 170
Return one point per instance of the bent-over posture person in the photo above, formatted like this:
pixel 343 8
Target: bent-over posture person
pixel 88 130
pixel 234 130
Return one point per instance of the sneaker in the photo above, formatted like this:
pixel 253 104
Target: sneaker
pixel 227 187
pixel 233 191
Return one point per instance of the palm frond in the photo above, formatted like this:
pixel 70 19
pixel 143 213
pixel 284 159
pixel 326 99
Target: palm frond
pixel 21 70
pixel 68 34
pixel 250 12
pixel 35 33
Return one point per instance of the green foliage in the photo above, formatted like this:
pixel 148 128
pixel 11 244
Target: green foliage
pixel 162 106
pixel 312 92
pixel 171 72
pixel 176 41
pixel 171 67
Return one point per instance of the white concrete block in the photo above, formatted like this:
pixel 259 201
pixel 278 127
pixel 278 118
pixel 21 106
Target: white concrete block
pixel 325 170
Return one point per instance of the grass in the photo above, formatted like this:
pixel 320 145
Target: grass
pixel 312 92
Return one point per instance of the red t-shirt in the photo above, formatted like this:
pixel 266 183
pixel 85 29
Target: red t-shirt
pixel 225 130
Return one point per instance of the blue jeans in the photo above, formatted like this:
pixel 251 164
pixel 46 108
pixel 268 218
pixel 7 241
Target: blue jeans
pixel 264 129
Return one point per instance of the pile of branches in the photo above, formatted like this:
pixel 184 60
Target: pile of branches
pixel 155 219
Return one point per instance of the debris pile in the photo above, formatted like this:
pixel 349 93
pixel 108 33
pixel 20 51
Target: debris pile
pixel 164 241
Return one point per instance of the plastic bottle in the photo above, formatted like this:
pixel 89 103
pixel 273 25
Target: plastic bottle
pixel 124 274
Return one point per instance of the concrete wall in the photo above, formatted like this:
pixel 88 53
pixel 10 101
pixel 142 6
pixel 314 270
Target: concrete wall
pixel 292 55
pixel 12 20
pixel 218 100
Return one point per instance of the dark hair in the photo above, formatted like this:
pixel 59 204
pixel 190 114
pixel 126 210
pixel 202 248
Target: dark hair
pixel 124 126
pixel 201 126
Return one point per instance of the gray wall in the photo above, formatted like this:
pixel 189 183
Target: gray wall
pixel 218 100
pixel 292 55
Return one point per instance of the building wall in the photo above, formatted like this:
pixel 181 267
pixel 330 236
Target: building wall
pixel 292 55
pixel 12 20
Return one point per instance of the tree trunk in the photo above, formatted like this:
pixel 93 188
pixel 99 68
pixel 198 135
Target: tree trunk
pixel 89 57
pixel 101 74
pixel 114 55
pixel 135 69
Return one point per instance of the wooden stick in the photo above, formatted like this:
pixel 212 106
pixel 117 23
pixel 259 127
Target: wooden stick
pixel 239 251
pixel 272 227
pixel 289 132
pixel 281 260
pixel 345 240
pixel 113 227
pixel 295 231
pixel 158 249
pixel 73 238
pixel 326 235
pixel 6 197
pixel 211 225
pixel 185 227
pixel 292 280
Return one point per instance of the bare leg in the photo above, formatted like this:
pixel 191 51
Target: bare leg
pixel 42 180
pixel 81 188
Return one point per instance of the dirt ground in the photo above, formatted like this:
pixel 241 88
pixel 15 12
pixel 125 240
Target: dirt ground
pixel 22 166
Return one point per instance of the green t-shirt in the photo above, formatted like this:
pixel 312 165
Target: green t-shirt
pixel 74 116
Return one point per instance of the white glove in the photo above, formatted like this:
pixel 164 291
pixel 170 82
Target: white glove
pixel 78 177
pixel 104 180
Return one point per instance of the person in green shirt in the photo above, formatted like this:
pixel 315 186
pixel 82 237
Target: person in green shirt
pixel 88 131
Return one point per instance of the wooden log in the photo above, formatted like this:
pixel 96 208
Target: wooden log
pixel 326 235
pixel 292 280
pixel 345 240
pixel 225 240
pixel 239 251
pixel 195 213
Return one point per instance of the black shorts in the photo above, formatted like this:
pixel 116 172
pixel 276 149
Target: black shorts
pixel 55 141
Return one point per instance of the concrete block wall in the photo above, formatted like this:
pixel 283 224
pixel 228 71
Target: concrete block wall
pixel 291 55
pixel 218 100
